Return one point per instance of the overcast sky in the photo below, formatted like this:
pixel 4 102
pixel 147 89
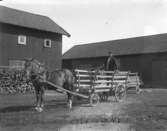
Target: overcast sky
pixel 99 20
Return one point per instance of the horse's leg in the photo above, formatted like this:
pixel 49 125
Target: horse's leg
pixel 42 97
pixel 37 93
pixel 138 90
pixel 70 97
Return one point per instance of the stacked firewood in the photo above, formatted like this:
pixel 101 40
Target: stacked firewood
pixel 14 81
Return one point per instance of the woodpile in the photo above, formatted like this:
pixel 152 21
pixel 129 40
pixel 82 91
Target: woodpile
pixel 14 81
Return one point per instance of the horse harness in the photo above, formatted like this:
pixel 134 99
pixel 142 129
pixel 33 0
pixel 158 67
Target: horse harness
pixel 40 75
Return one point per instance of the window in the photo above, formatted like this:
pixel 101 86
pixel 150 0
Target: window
pixel 47 43
pixel 22 39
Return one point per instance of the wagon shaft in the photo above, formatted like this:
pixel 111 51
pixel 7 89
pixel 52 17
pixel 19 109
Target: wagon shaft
pixel 65 90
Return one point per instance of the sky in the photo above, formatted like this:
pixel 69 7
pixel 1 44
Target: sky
pixel 99 20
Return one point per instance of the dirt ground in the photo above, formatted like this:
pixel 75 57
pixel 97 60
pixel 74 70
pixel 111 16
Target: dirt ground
pixel 138 112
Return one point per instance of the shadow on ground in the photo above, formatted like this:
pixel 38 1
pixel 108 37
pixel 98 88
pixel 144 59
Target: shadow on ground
pixel 165 106
pixel 15 109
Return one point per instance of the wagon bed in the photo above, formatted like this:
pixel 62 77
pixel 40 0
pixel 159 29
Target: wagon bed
pixel 99 82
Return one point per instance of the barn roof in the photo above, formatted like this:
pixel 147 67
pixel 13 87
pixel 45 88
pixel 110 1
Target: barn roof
pixel 129 46
pixel 29 20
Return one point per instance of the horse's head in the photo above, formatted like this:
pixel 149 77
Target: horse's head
pixel 33 68
pixel 28 68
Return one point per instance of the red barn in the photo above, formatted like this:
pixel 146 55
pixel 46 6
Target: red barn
pixel 26 35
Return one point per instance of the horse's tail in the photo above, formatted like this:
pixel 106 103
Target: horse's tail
pixel 74 76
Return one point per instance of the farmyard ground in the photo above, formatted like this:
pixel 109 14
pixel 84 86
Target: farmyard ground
pixel 144 112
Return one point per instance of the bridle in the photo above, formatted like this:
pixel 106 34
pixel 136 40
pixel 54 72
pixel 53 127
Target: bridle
pixel 36 69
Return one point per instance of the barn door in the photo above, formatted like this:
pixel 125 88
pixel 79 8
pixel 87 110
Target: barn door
pixel 159 73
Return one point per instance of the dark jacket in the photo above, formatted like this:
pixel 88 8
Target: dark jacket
pixel 112 64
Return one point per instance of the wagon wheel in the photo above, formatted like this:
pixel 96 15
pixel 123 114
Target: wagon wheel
pixel 94 99
pixel 120 92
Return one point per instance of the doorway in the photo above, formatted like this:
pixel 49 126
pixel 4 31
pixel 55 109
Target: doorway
pixel 159 73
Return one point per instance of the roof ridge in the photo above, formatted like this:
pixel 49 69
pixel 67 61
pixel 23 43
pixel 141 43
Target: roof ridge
pixel 102 42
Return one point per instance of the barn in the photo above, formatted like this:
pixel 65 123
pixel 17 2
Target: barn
pixel 25 35
pixel 146 55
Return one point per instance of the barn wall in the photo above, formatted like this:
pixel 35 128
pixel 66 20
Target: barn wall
pixel 67 64
pixel 33 49
pixel 151 67
pixel 0 46
pixel 137 63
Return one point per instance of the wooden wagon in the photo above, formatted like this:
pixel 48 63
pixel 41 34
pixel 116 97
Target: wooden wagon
pixel 98 85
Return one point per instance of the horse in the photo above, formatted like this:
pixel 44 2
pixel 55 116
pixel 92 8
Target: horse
pixel 39 75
